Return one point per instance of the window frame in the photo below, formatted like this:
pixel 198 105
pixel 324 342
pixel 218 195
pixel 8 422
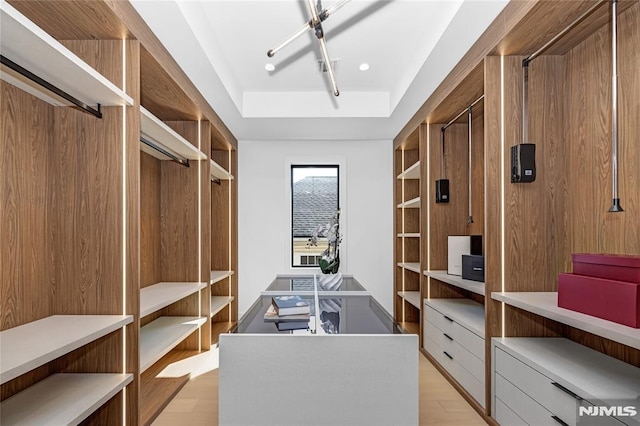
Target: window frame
pixel 293 166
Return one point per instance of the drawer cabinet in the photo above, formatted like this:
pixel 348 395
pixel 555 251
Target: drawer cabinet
pixel 453 344
pixel 545 381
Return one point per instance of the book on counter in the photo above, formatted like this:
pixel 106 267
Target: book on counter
pixel 272 316
pixel 290 305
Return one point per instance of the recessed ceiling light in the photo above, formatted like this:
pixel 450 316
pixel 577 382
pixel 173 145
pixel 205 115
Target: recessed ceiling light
pixel 364 66
pixel 269 67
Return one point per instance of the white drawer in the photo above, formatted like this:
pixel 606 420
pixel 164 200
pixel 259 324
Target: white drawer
pixel 522 405
pixel 470 362
pixel 505 416
pixel 468 381
pixel 555 398
pixel 442 339
pixel 442 322
pixel 469 340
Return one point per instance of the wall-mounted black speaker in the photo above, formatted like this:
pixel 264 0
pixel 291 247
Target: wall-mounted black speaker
pixel 523 163
pixel 442 191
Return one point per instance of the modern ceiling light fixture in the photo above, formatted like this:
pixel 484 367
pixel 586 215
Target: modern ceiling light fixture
pixel 318 15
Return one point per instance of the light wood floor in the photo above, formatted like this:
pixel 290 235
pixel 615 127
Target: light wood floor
pixel 197 403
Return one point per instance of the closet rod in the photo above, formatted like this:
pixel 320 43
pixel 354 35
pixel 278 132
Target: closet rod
pixel 561 34
pixel 163 151
pixel 462 112
pixel 50 87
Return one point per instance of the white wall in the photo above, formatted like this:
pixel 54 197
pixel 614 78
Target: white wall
pixel 264 212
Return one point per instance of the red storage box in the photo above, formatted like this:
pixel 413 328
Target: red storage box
pixel 616 301
pixel 611 266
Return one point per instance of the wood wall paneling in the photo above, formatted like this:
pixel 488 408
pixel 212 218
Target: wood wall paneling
pixel 220 259
pixel 150 257
pixel 26 126
pixel 588 68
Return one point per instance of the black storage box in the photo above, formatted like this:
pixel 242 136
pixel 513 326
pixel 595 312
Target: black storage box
pixel 473 267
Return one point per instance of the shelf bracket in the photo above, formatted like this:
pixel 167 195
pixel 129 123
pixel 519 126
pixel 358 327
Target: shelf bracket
pixel 50 87
pixel 163 151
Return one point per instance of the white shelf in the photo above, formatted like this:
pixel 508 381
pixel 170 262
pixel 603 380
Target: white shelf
pixel 465 311
pixel 62 399
pixel 410 266
pixel 409 235
pixel 219 276
pixel 545 304
pixel 412 297
pixel 157 296
pixel 584 371
pixel 163 334
pixel 410 204
pixel 218 172
pixel 157 131
pixel 457 281
pixel 32 48
pixel 218 303
pixel 31 345
pixel 413 172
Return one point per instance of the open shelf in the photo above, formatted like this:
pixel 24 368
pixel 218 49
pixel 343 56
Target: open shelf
pixel 409 235
pixel 161 335
pixel 410 266
pixel 219 276
pixel 408 327
pixel 412 297
pixel 31 345
pixel 410 204
pixel 218 328
pixel 26 44
pixel 156 131
pixel 218 303
pixel 157 296
pixel 457 281
pixel 545 304
pixel 218 172
pixel 413 172
pixel 465 311
pixel 62 399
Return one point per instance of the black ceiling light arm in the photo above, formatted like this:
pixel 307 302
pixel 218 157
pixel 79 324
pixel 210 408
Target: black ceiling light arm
pixel 50 87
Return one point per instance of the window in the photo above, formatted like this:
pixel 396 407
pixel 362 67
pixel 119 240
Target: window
pixel 314 200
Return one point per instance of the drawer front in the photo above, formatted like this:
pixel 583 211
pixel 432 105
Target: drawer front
pixel 505 416
pixel 539 387
pixel 442 322
pixel 470 362
pixel 522 405
pixel 469 340
pixel 443 340
pixel 468 381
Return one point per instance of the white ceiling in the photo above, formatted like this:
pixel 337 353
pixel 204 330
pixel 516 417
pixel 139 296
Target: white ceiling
pixel 410 45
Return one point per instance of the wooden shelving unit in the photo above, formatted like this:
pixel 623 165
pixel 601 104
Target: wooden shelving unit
pixel 224 235
pixel 160 295
pixel 29 46
pixel 545 304
pixel 530 229
pixel 217 276
pixel 407 184
pixel 62 399
pixel 28 346
pixel 476 287
pixel 163 334
pixel 153 129
pixel 125 253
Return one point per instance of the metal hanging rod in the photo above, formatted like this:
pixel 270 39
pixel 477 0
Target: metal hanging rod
pixel 561 34
pixel 464 111
pixel 615 202
pixel 163 151
pixel 470 118
pixel 50 87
